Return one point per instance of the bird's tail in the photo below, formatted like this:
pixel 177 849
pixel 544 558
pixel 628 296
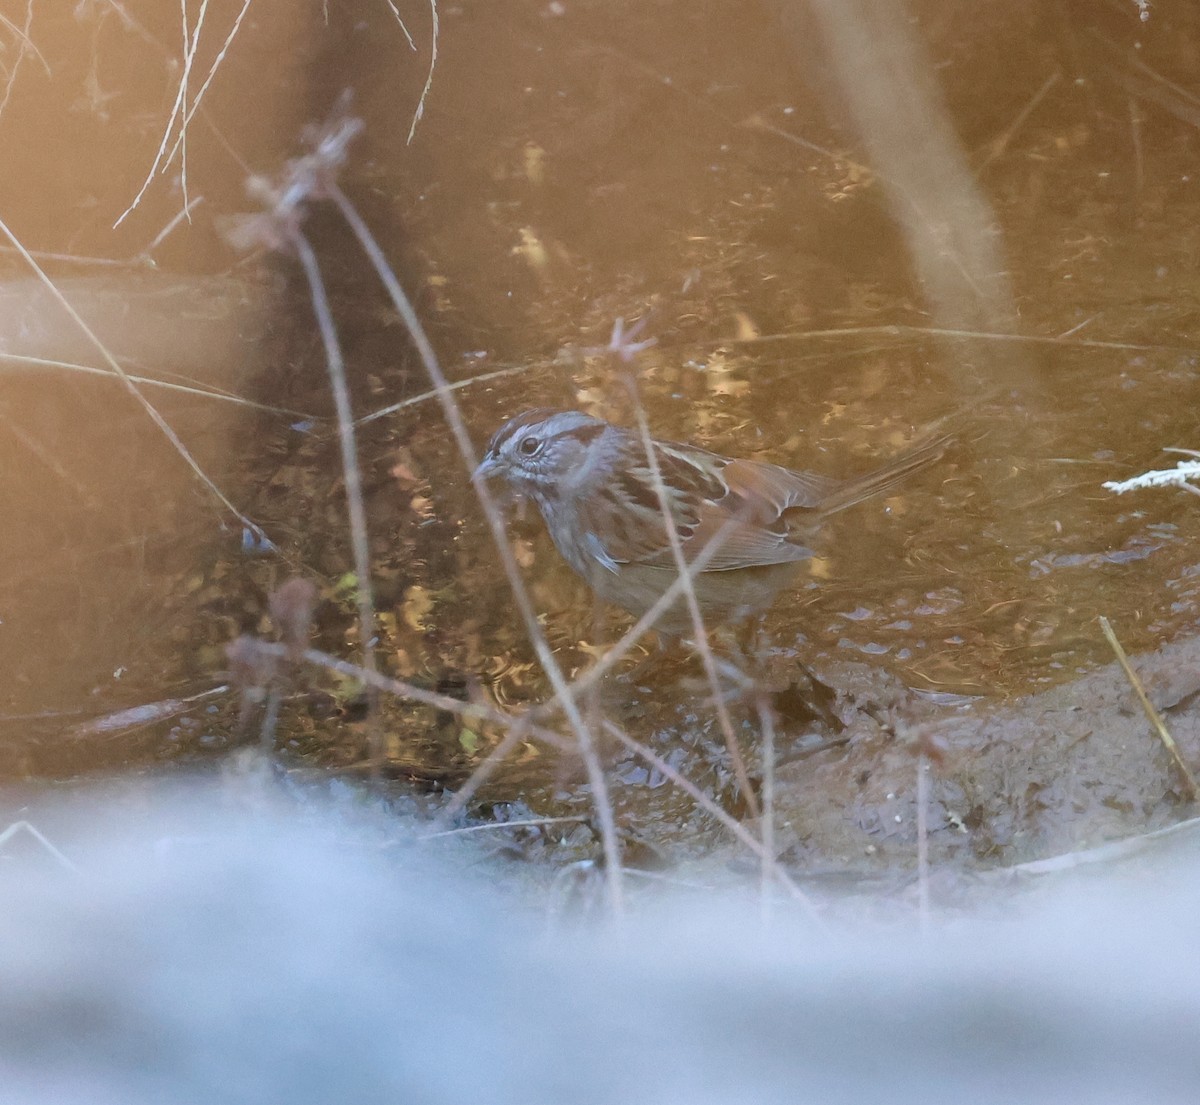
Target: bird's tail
pixel 857 488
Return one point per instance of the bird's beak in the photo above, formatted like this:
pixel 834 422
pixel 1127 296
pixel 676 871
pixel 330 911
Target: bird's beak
pixel 488 467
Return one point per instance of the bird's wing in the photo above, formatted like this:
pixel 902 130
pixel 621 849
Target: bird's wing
pixel 624 516
pixel 777 489
pixel 737 504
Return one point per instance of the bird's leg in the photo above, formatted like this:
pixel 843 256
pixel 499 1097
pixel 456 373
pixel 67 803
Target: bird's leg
pixel 662 645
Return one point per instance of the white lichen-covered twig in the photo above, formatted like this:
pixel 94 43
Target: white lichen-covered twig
pixel 1179 476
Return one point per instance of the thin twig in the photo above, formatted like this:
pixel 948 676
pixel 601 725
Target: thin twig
pixel 589 679
pixel 1168 741
pixel 402 689
pixel 131 386
pixel 615 653
pixel 521 727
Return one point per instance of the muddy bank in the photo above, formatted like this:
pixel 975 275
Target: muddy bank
pixel 1008 782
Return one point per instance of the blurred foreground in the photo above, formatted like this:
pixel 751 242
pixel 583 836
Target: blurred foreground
pixel 234 940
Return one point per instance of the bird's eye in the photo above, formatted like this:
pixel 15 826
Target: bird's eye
pixel 530 446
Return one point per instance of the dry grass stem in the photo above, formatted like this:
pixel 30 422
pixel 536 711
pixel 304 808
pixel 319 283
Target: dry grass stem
pixel 18 827
pixel 182 110
pixel 617 652
pixel 740 832
pixel 517 732
pixel 191 41
pixel 453 415
pixel 131 386
pixel 1111 852
pixel 757 122
pixel 27 43
pixel 131 24
pixel 902 331
pixel 399 19
pixel 456 385
pixel 1135 128
pixel 766 720
pixel 78 259
pixel 351 472
pixel 997 147
pixel 433 53
pixel 135 717
pixel 703 647
pixel 212 72
pixel 26 47
pixel 1185 772
pixel 198 390
pixel 923 839
pixel 181 216
pixel 48 458
pixel 492 826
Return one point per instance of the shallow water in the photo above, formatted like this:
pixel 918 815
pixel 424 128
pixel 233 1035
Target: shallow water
pixel 987 574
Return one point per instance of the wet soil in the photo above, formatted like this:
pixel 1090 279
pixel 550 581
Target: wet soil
pixel 1055 772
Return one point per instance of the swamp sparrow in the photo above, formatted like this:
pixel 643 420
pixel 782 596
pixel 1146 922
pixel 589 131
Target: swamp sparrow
pixel 601 503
